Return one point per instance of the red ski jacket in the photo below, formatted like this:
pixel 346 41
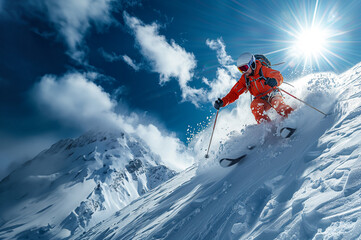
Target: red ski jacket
pixel 256 84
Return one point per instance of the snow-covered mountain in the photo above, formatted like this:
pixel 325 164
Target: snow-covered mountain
pixel 77 183
pixel 305 187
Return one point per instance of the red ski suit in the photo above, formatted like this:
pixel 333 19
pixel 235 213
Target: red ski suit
pixel 265 97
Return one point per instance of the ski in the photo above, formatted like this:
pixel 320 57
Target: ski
pixel 227 162
pixel 285 132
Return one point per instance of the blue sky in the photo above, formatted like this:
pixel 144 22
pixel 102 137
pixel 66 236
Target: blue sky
pixel 69 66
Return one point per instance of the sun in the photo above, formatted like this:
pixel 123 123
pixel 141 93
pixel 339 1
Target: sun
pixel 305 36
pixel 313 37
pixel 310 46
pixel 311 43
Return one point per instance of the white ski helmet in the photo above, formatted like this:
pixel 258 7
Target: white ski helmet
pixel 246 59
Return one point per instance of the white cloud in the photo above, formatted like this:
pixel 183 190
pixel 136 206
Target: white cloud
pixel 131 63
pixel 76 101
pixel 219 46
pixel 227 74
pixel 110 57
pixel 72 19
pixel 221 85
pixel 170 148
pixel 172 61
pixel 166 58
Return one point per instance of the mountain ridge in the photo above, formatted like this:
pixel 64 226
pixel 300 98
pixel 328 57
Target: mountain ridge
pixel 94 175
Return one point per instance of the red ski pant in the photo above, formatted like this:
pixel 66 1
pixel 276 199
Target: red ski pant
pixel 259 108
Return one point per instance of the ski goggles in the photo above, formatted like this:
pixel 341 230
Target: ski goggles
pixel 244 68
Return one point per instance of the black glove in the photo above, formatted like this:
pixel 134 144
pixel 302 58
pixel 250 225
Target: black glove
pixel 272 82
pixel 218 104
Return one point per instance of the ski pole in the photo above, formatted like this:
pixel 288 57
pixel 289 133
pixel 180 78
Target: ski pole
pixel 289 84
pixel 214 126
pixel 303 102
pixel 278 64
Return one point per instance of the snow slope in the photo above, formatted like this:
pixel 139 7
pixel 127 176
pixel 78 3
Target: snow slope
pixel 77 183
pixel 306 187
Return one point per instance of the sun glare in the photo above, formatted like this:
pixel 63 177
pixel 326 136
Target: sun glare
pixel 311 42
pixel 309 35
pixel 313 37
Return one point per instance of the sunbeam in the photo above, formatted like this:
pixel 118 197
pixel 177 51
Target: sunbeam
pixel 307 35
pixel 313 36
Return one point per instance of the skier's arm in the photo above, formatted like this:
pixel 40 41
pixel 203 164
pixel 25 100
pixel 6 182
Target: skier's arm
pixel 239 88
pixel 271 73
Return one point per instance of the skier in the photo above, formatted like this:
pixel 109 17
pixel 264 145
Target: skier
pixel 262 82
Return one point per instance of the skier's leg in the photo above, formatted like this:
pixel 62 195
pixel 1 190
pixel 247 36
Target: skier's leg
pixel 259 108
pixel 280 106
